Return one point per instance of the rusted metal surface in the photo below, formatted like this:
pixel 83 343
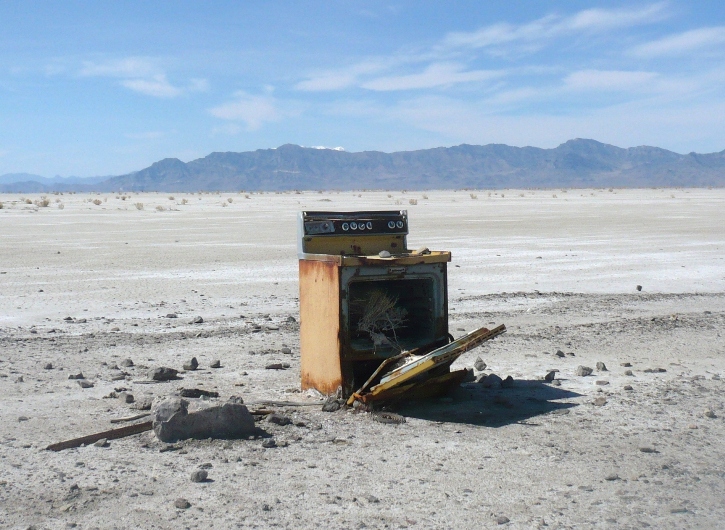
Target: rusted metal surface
pixel 400 258
pixel 320 326
pixel 112 434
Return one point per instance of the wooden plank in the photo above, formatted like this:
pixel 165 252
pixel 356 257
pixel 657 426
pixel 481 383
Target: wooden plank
pixel 112 434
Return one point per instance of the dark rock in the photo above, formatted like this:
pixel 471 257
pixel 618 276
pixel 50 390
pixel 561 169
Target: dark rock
pixel 197 393
pixel 654 370
pixel 171 315
pixel 469 377
pixel 508 382
pixel 200 475
pixel 502 519
pixel 277 366
pixel 628 372
pixel 286 351
pixel 491 381
pixel 163 374
pixel 178 419
pixel 479 365
pixel 626 365
pixel 612 477
pixel 182 504
pixel 601 367
pixel 332 404
pixel 570 354
pixel 710 414
pixel 127 363
pixel 192 365
pixel 126 397
pixel 216 364
pixel 560 353
pixel 85 384
pixel 648 450
pixel 79 375
pixel 279 419
pixel 48 366
pixel 639 287
pixel 197 320
pixel 602 382
pixel 372 499
pixel 583 371
pixel 550 376
pixel 68 319
pixel 627 387
pixel 291 319
pixel 269 443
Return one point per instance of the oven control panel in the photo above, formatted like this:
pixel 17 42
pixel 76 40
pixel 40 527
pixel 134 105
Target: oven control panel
pixel 354 223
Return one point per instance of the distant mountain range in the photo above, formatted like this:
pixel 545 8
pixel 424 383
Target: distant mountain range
pixel 576 163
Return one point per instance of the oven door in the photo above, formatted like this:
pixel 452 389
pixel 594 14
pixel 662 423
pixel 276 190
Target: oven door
pixel 386 310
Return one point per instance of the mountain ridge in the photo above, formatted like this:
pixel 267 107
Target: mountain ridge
pixel 576 163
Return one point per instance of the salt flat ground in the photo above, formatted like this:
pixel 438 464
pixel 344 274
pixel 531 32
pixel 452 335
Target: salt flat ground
pixel 558 267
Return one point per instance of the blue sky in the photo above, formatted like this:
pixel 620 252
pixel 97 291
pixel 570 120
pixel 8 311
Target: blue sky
pixel 102 88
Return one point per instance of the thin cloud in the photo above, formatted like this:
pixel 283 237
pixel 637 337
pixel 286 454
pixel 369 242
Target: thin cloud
pixel 343 77
pixel 130 67
pixel 609 80
pixel 158 87
pixel 249 109
pixel 435 75
pixel 681 43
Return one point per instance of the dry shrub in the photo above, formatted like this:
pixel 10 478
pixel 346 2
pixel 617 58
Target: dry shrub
pixel 474 196
pixel 390 196
pixel 123 197
pixel 247 197
pixel 1 206
pixel 43 202
pixel 425 197
pixel 184 201
pixel 171 197
pixel 160 208
pixel 554 196
pixel 380 317
pixel 139 205
pixel 413 201
pixel 97 202
pixel 57 200
pixel 28 201
pixel 398 202
pixel 61 206
pixel 224 204
pixel 230 200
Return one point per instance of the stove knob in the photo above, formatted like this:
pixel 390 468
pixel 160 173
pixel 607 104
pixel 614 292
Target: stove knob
pixel 353 225
pixel 391 224
pixel 345 227
pixel 400 224
pixel 369 225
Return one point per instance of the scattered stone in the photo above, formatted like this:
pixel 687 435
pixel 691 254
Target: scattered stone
pixel 279 419
pixel 68 319
pixel 79 375
pixel 599 402
pixel 127 363
pixel 163 374
pixel 612 477
pixel 23 418
pixel 583 371
pixel 626 365
pixel 200 475
pixel 272 327
pixel 178 419
pixel 384 254
pixel 549 377
pixel 286 351
pixel 103 442
pixel 125 397
pixel 560 353
pixel 116 329
pixel 291 319
pixel 48 366
pixel 556 382
pixel 570 354
pixel 85 384
pixel 144 403
pixel 332 404
pixel 192 365
pixel 172 315
pixel 372 499
pixel 601 382
pixel 118 376
pixel 627 387
pixel 692 426
pixel 710 414
pixel 479 365
pixel 628 372
pixel 508 382
pixel 648 450
pixel 20 379
pixel 469 377
pixel 197 393
pixel 639 287
pixel 216 364
pixel 502 519
pixel 182 504
pixel 269 443
pixel 654 370
pixel 491 381
pixel 277 366
pixel 601 367
pixel 678 509
pixel 197 320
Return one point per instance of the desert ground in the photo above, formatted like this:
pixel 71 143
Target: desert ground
pixel 560 268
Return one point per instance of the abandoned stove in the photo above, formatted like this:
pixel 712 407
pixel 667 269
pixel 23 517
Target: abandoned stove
pixel 374 314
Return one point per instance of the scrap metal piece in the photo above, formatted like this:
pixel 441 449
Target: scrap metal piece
pixel 113 434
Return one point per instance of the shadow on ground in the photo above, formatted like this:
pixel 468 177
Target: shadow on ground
pixel 472 404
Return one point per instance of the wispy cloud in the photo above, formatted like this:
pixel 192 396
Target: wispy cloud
pixel 343 77
pixel 609 80
pixel 249 109
pixel 141 75
pixel 682 43
pixel 435 75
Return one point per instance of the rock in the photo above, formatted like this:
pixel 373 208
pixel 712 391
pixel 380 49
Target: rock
pixel 215 364
pixel 85 384
pixel 469 377
pixel 197 393
pixel 48 366
pixel 678 509
pixel 583 371
pixel 508 382
pixel 291 319
pixel 332 404
pixel 626 365
pixel 197 320
pixel 549 377
pixel 68 319
pixel 279 419
pixel 200 475
pixel 163 374
pixel 601 383
pixel 628 372
pixel 79 375
pixel 192 365
pixel 710 414
pixel 384 254
pixel 479 365
pixel 502 519
pixel 103 442
pixel 171 315
pixel 612 477
pixel 639 287
pixel 654 370
pixel 570 354
pixel 269 443
pixel 115 329
pixel 127 363
pixel 286 351
pixel 23 418
pixel 179 419
pixel 648 450
pixel 560 353
pixel 491 381
pixel 143 403
pixel 627 387
pixel 125 397
pixel 556 382
pixel 182 504
pixel 372 499
pixel 277 366
pixel 601 367
pixel 599 402
pixel 20 379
